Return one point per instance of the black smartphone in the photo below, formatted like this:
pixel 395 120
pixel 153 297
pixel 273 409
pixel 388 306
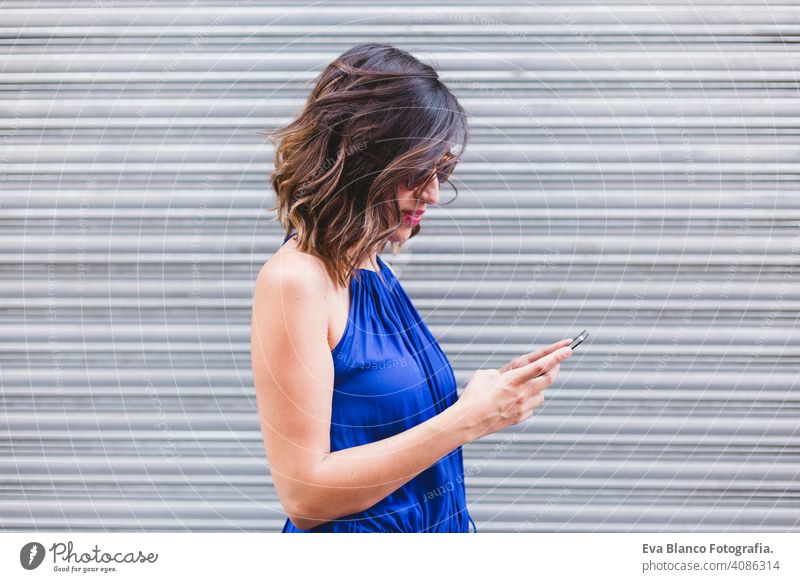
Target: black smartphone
pixel 578 339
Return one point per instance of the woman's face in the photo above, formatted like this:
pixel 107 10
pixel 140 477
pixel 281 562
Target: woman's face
pixel 413 204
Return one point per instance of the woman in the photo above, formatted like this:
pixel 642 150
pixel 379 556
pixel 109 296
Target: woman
pixel 358 407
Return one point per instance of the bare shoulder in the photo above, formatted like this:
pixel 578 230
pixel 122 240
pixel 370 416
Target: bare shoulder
pixel 295 274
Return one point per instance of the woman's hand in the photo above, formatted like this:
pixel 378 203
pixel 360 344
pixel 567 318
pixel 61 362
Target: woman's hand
pixel 533 356
pixel 496 398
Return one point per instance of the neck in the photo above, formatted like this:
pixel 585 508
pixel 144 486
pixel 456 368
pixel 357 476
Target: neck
pixel 371 263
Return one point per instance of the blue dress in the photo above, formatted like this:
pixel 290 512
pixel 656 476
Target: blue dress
pixel 390 375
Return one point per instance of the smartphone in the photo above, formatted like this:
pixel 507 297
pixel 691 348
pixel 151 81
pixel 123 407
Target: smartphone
pixel 578 339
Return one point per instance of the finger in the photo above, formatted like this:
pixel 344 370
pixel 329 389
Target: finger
pixel 528 407
pixel 534 402
pixel 551 372
pixel 543 381
pixel 530 371
pixel 533 356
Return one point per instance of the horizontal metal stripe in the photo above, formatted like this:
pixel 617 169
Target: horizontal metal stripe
pixel 529 261
pixel 153 215
pixel 562 446
pixel 504 201
pixel 446 13
pixel 505 247
pixel 500 156
pixel 661 475
pixel 569 129
pixel 589 80
pixel 16 377
pixel 435 310
pixel 733 339
pixel 774 60
pixel 487 106
pixel 556 514
pixel 244 33
pixel 211 493
pixel 667 172
pixel 628 396
pixel 697 425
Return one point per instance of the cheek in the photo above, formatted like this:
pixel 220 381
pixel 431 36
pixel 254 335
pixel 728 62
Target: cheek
pixel 404 194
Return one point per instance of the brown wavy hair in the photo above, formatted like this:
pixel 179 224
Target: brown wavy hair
pixel 375 117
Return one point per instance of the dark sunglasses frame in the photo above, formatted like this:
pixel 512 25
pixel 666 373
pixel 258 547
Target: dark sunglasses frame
pixel 443 170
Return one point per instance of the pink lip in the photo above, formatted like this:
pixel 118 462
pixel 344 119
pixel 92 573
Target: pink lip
pixel 413 217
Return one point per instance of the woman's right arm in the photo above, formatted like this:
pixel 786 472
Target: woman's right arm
pixel 293 376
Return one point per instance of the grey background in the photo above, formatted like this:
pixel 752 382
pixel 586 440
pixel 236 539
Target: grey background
pixel 633 170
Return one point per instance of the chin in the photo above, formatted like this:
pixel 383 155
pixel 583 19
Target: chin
pixel 404 233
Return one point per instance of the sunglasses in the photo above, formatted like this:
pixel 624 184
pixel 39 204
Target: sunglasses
pixel 443 171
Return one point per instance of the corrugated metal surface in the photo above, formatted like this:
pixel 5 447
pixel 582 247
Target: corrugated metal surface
pixel 633 171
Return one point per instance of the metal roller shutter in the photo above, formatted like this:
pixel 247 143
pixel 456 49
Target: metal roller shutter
pixel 633 170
